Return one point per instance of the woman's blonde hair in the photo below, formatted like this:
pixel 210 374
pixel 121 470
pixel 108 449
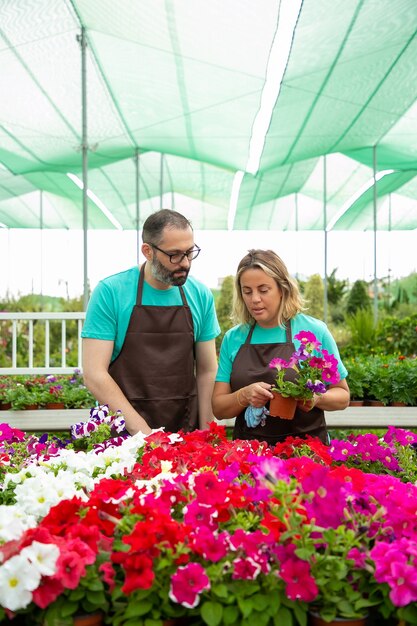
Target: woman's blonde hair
pixel 268 261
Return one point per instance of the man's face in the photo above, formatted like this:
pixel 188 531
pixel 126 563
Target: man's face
pixel 174 241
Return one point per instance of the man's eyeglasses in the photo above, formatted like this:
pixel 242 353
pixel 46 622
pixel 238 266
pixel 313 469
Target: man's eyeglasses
pixel 177 257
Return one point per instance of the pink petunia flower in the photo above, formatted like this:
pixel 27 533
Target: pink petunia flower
pixel 187 583
pixel 300 585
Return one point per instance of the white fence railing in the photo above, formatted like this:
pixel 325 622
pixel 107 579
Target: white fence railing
pixel 21 326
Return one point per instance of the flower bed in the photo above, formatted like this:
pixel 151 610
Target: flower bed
pixel 388 379
pixel 164 526
pixel 21 392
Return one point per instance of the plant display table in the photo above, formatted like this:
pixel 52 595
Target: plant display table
pixel 352 417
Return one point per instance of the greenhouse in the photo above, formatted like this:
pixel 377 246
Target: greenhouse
pixel 291 116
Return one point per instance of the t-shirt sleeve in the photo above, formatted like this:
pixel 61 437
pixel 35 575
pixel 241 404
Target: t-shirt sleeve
pixel 210 327
pixel 224 369
pixel 100 321
pixel 329 344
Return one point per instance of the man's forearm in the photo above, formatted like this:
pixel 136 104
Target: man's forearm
pixel 205 385
pixel 107 391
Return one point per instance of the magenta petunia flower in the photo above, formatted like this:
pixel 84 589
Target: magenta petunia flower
pixel 403 583
pixel 300 585
pixel 187 583
pixel 196 515
pixel 245 569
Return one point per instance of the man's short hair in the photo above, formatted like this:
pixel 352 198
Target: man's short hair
pixel 155 224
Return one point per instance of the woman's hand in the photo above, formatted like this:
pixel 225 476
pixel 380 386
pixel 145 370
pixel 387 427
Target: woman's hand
pixel 256 394
pixel 307 405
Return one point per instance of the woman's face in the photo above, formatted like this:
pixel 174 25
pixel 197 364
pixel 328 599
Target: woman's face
pixel 261 295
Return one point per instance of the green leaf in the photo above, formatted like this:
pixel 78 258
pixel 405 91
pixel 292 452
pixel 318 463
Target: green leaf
pixel 260 602
pixel 300 613
pixel 69 608
pixel 220 590
pixel 230 615
pixel 259 618
pixel 212 613
pixel 245 605
pixel 283 617
pixel 304 553
pixel 95 585
pixel 136 609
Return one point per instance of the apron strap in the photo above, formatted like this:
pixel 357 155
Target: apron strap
pixel 140 285
pixel 250 333
pixel 288 335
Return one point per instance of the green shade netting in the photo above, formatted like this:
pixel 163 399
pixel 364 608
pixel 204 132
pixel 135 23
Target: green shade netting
pixel 185 79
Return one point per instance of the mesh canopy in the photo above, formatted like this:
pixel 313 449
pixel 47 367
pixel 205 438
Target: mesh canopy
pixel 180 84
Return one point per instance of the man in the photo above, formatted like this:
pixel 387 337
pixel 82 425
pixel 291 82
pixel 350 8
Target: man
pixel 149 334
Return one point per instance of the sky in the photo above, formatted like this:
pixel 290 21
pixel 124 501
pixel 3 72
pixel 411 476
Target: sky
pixel 51 261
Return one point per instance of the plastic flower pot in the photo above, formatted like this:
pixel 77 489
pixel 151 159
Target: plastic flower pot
pixel 282 407
pixel 95 619
pixel 316 620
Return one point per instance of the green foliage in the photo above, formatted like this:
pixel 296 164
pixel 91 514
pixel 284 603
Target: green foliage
pixel 103 433
pixel 24 390
pixel 356 377
pixel 224 304
pixel 36 303
pixel 358 297
pixel 407 285
pixel 336 289
pixel 384 378
pixel 362 332
pixel 398 335
pixel 314 295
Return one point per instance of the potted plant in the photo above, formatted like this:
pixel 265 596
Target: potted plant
pixel 5 404
pixel 76 396
pixel 22 397
pixel 356 380
pixel 304 375
pixel 52 573
pixel 403 379
pixel 378 382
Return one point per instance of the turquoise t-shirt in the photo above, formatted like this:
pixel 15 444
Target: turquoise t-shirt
pixel 237 335
pixel 112 301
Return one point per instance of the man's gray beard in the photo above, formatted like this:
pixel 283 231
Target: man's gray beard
pixel 160 272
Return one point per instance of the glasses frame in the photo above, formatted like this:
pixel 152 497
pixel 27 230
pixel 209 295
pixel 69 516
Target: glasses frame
pixel 196 251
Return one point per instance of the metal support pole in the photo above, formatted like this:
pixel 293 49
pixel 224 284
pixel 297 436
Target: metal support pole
pixel 375 238
pixel 161 181
pixel 325 235
pixel 296 230
pixel 41 233
pixel 84 147
pixel 137 189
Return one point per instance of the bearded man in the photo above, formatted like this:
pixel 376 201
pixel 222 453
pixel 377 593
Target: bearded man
pixel 149 334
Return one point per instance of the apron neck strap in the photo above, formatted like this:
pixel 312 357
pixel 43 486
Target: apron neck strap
pixel 250 333
pixel 140 288
pixel 288 336
pixel 140 284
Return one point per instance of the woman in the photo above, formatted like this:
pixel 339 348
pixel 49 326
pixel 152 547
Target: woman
pixel 268 307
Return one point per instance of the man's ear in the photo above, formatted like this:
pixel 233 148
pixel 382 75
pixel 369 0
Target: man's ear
pixel 147 251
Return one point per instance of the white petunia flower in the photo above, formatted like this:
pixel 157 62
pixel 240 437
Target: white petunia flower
pixel 43 556
pixel 18 578
pixel 13 522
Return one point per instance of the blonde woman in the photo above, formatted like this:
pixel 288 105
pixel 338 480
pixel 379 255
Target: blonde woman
pixel 268 308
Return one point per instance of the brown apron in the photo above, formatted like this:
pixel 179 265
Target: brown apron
pixel 155 367
pixel 251 365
